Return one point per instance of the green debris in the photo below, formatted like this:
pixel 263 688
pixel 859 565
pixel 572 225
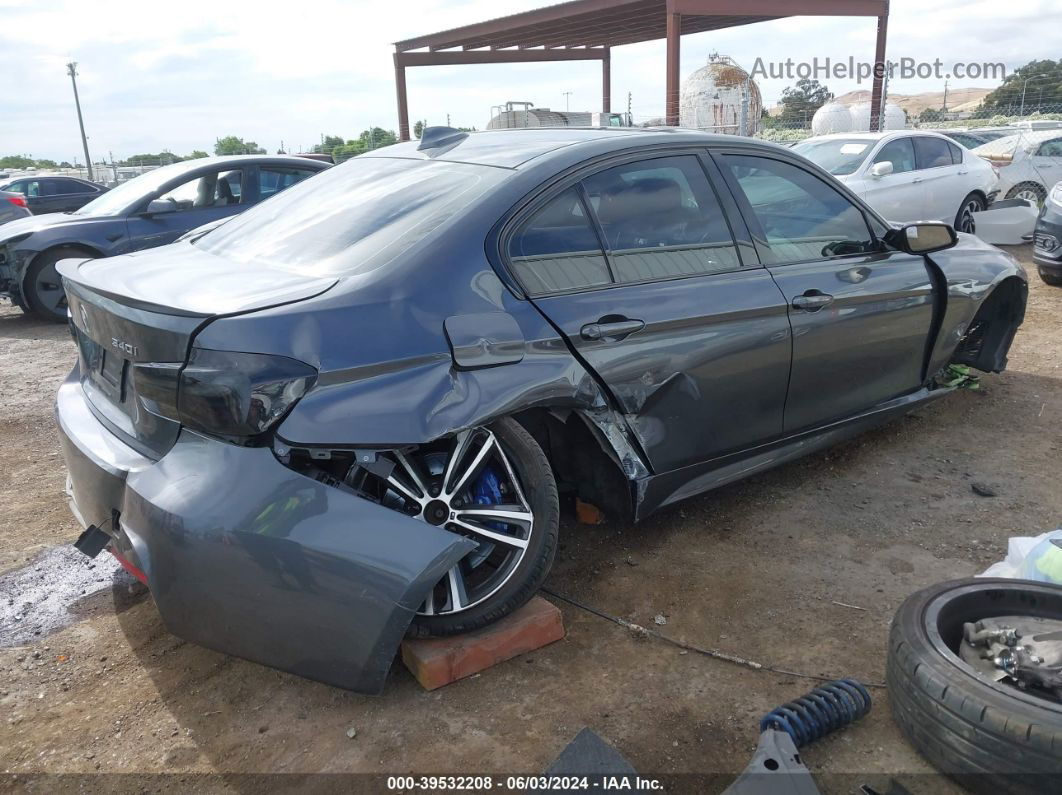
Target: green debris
pixel 958 376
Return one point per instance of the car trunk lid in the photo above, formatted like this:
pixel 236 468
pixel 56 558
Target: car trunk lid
pixel 134 318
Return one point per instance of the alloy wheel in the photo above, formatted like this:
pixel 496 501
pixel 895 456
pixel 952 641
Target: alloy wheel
pixel 470 489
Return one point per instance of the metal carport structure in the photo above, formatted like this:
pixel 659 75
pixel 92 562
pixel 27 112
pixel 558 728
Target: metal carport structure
pixel 589 29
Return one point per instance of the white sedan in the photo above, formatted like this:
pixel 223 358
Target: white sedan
pixel 908 175
pixel 1029 162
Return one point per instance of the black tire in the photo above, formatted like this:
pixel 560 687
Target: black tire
pixel 1054 281
pixel 1032 187
pixel 536 478
pixel 974 203
pixel 988 735
pixel 42 289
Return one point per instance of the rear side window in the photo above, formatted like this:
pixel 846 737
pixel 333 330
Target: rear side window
pixel 63 187
pixel 802 217
pixel 274 179
pixel 660 219
pixel 900 153
pixel 932 152
pixel 557 249
pixel 956 153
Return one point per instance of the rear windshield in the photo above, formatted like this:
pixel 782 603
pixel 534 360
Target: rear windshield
pixel 353 217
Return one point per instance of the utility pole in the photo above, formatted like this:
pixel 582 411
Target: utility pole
pixel 944 109
pixel 630 118
pixel 447 119
pixel 567 100
pixel 71 69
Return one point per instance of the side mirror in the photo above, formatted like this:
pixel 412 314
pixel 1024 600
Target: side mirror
pixel 159 206
pixel 881 169
pixel 925 237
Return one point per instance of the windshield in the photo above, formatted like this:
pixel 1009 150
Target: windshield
pixel 839 156
pixel 352 218
pixel 121 197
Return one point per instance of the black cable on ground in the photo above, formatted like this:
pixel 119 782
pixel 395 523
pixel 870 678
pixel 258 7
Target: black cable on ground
pixel 713 653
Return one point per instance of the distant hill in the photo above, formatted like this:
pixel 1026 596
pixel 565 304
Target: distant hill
pixel 959 99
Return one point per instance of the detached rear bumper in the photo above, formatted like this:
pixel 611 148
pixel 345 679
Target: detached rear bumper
pixel 247 557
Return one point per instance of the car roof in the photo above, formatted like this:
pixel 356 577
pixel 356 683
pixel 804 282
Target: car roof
pixel 876 136
pixel 515 148
pixel 1024 138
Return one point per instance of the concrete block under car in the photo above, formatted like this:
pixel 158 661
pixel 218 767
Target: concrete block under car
pixel 439 661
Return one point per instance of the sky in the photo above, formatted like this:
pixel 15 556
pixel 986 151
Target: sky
pixel 177 76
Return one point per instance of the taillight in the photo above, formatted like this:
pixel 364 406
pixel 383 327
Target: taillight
pixel 18 201
pixel 226 393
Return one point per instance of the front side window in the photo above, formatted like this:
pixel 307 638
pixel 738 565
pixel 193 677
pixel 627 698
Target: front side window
pixel 932 152
pixel 1052 148
pixel 802 217
pixel 660 219
pixel 900 153
pixel 557 250
pixel 209 190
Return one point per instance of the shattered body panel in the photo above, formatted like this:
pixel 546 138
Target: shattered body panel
pixel 274 567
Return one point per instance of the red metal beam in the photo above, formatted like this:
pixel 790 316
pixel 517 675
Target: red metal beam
pixel 400 93
pixel 674 25
pixel 779 8
pixel 451 57
pixel 606 82
pixel 879 70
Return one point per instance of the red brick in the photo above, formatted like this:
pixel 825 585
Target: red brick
pixel 439 661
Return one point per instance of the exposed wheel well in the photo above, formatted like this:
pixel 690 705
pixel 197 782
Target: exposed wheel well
pixel 988 338
pixel 582 461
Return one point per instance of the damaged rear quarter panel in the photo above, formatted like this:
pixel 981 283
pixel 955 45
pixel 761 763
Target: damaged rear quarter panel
pixel 387 373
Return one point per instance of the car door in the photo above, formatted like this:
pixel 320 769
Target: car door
pixel 637 266
pixel 31 189
pixel 897 195
pixel 66 195
pixel 199 199
pixel 1047 161
pixel 939 178
pixel 860 315
pixel 273 179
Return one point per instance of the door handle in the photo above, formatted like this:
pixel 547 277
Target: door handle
pixel 963 173
pixel 916 180
pixel 812 301
pixel 611 330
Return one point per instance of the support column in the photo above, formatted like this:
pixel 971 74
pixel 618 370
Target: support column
pixel 671 115
pixel 400 94
pixel 606 82
pixel 879 71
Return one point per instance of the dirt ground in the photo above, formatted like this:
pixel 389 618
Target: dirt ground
pixel 755 569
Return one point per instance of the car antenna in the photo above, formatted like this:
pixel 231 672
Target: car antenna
pixel 439 137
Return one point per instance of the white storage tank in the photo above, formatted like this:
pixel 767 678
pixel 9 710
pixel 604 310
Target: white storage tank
pixel 833 117
pixel 895 119
pixel 711 98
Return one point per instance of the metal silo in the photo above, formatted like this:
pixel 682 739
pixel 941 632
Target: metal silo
pixel 712 98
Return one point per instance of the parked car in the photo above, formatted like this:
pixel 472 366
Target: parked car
pixel 150 210
pixel 1047 239
pixel 1028 162
pixel 908 175
pixel 12 206
pixel 346 413
pixel 965 138
pixel 47 194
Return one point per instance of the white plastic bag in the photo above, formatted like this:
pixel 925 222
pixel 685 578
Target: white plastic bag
pixel 1031 558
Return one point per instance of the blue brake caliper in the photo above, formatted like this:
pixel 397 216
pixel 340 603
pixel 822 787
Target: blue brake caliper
pixel 487 491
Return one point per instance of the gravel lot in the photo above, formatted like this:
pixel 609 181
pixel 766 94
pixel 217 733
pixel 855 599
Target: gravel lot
pixel 755 569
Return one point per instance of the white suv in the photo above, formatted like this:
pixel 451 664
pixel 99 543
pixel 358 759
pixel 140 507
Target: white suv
pixel 908 175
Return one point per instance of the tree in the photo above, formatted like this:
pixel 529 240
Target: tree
pixel 47 164
pixel 196 154
pixel 16 161
pixel 328 145
pixel 232 145
pixel 418 128
pixel 1038 79
pixel 377 137
pixel 800 102
pixel 930 114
